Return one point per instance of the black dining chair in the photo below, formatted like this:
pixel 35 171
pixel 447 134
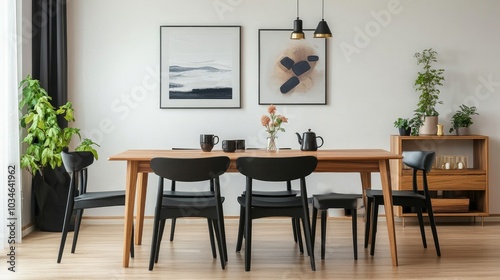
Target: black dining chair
pixel 189 170
pixel 173 192
pixel 323 202
pixel 193 194
pixel 418 198
pixel 281 170
pixel 288 192
pixel 79 199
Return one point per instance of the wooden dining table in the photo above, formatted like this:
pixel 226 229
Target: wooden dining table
pixel 362 161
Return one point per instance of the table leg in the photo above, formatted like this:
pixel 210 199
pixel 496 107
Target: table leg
pixel 366 184
pixel 142 182
pixel 385 177
pixel 131 184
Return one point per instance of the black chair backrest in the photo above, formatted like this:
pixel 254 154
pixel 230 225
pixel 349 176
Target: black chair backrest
pixel 190 169
pixel 76 164
pixel 276 169
pixel 76 161
pixel 420 160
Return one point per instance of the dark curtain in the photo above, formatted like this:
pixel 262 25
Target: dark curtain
pixel 50 49
pixel 50 67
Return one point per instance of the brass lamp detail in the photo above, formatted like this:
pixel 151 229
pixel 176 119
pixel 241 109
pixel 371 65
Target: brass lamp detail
pixel 297 32
pixel 322 31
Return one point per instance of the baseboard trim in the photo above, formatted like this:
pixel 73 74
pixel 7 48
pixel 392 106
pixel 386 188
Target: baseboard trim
pixel 119 220
pixel 149 219
pixel 27 229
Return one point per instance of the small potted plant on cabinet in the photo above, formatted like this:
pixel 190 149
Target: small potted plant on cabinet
pixel 427 83
pixel 404 126
pixel 462 119
pixel 45 141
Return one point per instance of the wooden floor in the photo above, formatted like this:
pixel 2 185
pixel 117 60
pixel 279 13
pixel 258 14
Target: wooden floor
pixel 469 251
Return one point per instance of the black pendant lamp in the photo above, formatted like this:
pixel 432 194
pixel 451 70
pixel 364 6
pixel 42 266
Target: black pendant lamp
pixel 322 31
pixel 297 32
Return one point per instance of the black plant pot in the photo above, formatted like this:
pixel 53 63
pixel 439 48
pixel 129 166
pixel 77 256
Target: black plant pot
pixel 50 197
pixel 404 132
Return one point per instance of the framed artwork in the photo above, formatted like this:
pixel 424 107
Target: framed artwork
pixel 291 71
pixel 200 67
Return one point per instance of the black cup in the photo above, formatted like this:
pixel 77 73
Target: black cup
pixel 240 145
pixel 208 141
pixel 229 146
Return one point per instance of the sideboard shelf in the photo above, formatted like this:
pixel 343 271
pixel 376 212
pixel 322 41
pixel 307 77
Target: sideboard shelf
pixel 469 184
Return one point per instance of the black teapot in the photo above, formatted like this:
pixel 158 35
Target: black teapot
pixel 308 141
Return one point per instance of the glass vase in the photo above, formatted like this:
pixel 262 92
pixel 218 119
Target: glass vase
pixel 272 144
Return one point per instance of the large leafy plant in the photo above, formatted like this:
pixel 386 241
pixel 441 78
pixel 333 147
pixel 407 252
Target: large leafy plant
pixel 44 137
pixel 427 83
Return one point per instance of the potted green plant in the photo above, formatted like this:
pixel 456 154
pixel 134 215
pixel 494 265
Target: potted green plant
pixel 45 141
pixel 462 119
pixel 404 126
pixel 427 83
pixel 415 123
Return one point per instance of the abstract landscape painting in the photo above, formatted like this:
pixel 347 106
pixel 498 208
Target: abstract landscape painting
pixel 200 67
pixel 200 82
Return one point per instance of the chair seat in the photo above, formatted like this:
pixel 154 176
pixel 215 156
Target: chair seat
pixel 336 200
pixel 100 195
pixel 399 198
pixel 189 202
pixel 285 193
pixel 273 202
pixel 100 199
pixel 187 194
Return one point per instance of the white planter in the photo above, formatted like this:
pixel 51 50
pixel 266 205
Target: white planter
pixel 430 126
pixel 462 131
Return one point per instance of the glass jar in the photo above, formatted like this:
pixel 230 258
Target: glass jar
pixel 272 144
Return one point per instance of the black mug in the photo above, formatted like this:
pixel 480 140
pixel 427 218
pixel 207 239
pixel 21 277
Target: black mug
pixel 208 141
pixel 229 146
pixel 240 145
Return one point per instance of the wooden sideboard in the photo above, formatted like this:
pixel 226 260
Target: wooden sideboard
pixel 458 192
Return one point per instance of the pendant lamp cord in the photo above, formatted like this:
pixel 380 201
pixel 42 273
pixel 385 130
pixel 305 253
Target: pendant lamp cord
pixel 323 9
pixel 297 9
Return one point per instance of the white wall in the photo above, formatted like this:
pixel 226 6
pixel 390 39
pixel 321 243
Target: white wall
pixel 114 50
pixel 25 38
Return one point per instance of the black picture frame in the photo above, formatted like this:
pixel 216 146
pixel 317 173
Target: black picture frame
pixel 292 72
pixel 200 67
